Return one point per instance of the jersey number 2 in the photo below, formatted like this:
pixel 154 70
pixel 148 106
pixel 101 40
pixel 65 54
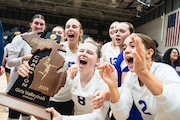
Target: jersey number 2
pixel 144 108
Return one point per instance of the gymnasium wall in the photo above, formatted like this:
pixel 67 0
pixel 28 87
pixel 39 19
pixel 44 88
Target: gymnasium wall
pixel 156 29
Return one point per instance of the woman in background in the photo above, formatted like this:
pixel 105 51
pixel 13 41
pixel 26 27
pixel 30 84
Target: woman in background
pixel 171 57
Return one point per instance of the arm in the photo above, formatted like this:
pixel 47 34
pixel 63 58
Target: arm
pixel 72 71
pixel 5 56
pixel 121 100
pixel 1 70
pixel 19 51
pixel 109 75
pixel 123 76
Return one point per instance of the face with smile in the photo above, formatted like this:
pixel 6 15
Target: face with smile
pixel 37 24
pixel 174 55
pixel 87 57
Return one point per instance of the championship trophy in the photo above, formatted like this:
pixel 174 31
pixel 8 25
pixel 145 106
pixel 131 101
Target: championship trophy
pixel 30 95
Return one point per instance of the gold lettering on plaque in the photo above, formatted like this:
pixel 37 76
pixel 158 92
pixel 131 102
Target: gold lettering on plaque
pixel 25 82
pixel 42 87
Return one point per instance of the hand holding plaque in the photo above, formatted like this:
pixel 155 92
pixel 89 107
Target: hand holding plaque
pixel 43 80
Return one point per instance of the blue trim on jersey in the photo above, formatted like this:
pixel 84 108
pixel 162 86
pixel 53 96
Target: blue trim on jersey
pixel 120 59
pixel 134 112
pixel 1 43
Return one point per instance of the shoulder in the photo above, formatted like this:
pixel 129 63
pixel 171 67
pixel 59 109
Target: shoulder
pixel 106 45
pixel 164 72
pixel 17 39
pixel 63 43
pixel 120 58
pixel 156 66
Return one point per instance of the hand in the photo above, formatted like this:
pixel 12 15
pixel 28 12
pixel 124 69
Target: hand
pixel 98 101
pixel 26 57
pixel 1 70
pixel 55 114
pixel 72 71
pixel 139 54
pixel 24 69
pixel 109 74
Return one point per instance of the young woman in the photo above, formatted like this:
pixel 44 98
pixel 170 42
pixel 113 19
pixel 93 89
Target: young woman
pixel 61 101
pixel 6 51
pixel 20 51
pixel 154 87
pixel 110 50
pixel 122 31
pixel 84 86
pixel 171 57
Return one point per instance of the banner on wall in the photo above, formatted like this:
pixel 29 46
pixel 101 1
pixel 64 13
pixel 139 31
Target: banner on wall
pixel 173 30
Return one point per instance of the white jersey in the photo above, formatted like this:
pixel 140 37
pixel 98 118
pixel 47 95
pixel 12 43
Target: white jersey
pixel 17 49
pixel 63 94
pixel 70 58
pixel 82 98
pixel 162 107
pixel 109 54
pixel 6 51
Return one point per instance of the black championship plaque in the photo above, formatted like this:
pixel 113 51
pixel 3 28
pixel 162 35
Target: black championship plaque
pixel 31 95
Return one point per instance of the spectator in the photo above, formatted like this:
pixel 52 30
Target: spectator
pixel 158 57
pixel 171 57
pixel 6 50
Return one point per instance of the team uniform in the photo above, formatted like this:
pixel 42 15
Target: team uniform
pixel 162 107
pixel 109 54
pixel 82 98
pixel 17 49
pixel 63 96
pixel 121 66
